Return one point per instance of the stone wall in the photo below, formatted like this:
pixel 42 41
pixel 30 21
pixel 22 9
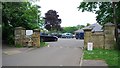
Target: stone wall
pixel 109 30
pixel 36 37
pixel 23 40
pixel 87 37
pixel 104 40
pixel 19 35
pixel 98 39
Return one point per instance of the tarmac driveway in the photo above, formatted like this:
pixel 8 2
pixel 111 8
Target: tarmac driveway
pixel 66 42
pixel 64 52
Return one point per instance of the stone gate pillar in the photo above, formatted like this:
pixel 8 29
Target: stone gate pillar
pixel 87 36
pixel 19 35
pixel 36 37
pixel 109 30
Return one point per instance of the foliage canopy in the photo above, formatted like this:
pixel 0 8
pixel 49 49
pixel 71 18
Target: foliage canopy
pixel 104 11
pixel 52 22
pixel 15 14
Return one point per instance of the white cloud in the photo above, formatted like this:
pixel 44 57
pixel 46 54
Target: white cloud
pixel 68 12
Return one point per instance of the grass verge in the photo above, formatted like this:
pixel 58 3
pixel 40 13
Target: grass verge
pixel 43 44
pixel 110 56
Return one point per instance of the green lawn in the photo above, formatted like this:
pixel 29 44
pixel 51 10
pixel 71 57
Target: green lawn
pixel 110 56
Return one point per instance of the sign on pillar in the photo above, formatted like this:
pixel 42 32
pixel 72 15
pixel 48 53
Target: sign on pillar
pixel 90 46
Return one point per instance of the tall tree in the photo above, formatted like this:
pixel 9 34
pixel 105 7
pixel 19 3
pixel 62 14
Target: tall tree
pixel 87 24
pixel 52 22
pixel 16 14
pixel 80 26
pixel 69 29
pixel 106 12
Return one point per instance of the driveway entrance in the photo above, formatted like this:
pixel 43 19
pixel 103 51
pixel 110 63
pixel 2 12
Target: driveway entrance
pixel 64 52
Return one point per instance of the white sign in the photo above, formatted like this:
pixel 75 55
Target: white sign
pixel 90 46
pixel 29 32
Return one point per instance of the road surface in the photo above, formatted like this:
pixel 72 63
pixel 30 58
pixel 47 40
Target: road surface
pixel 64 52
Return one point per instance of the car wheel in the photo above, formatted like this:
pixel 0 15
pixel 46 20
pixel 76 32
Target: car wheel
pixel 55 39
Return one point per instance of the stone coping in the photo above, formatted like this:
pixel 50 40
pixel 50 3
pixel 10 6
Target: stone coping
pixel 94 63
pixel 109 24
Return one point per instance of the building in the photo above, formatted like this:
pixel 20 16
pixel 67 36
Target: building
pixel 79 34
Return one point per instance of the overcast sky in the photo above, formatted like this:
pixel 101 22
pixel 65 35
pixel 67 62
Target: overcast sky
pixel 68 12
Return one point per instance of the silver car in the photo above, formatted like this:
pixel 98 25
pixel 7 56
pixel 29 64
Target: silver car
pixel 67 35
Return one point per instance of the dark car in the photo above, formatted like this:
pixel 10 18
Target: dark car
pixel 48 38
pixel 79 35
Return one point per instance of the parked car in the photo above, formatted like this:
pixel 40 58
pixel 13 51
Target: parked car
pixel 79 35
pixel 67 35
pixel 48 38
pixel 56 34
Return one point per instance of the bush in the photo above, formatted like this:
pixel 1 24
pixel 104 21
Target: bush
pixel 10 40
pixel 18 45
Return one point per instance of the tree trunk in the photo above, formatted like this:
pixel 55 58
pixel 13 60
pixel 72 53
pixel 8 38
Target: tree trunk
pixel 114 21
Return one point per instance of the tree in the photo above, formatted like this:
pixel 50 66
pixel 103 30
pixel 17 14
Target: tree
pixel 52 22
pixel 80 26
pixel 104 11
pixel 107 12
pixel 87 24
pixel 15 14
pixel 69 29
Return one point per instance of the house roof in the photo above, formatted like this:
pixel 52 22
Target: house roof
pixel 95 27
pixel 79 30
